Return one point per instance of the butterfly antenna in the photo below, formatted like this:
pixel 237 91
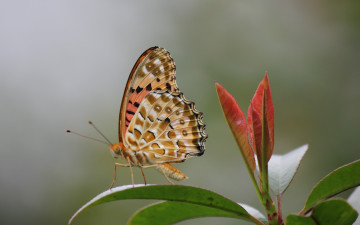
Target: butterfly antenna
pixel 94 139
pixel 91 123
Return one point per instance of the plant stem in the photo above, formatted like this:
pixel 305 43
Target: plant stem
pixel 256 186
pixel 278 206
pixel 268 203
pixel 264 179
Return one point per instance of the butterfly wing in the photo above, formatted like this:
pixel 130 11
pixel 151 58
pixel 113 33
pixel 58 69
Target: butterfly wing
pixel 167 128
pixel 154 70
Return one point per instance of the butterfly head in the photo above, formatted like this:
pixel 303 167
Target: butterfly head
pixel 116 149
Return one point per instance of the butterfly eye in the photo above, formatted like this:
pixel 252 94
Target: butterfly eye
pixel 184 132
pixel 115 150
pixel 177 113
pixel 182 122
pixel 168 110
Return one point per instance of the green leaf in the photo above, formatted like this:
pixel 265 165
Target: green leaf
pixel 170 212
pixel 180 193
pixel 337 181
pixel 282 169
pixel 299 220
pixel 354 201
pixel 330 212
pixel 334 212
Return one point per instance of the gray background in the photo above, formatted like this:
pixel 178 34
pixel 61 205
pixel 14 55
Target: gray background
pixel 63 63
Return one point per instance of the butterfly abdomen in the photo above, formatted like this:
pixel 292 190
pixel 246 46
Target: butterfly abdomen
pixel 171 171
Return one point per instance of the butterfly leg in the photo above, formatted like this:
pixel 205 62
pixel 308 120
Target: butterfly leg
pixel 162 171
pixel 142 172
pixel 116 164
pixel 131 170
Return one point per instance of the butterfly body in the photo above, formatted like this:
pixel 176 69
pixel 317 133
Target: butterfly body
pixel 139 158
pixel 136 158
pixel 157 125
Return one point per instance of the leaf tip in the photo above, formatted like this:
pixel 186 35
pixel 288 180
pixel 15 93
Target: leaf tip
pixel 217 85
pixel 266 81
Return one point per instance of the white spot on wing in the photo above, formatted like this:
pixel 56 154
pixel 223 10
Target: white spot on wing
pixel 157 61
pixel 145 70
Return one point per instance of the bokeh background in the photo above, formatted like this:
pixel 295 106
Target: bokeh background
pixel 63 63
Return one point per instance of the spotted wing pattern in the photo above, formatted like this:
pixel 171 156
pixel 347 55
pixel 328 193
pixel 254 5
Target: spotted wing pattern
pixel 154 70
pixel 166 128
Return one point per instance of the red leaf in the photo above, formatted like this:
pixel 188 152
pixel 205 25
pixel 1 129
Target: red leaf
pixel 237 123
pixel 255 131
pixel 255 120
pixel 250 128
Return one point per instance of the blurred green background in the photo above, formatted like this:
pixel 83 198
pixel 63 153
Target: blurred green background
pixel 63 63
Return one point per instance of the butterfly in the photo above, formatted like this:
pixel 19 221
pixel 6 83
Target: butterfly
pixel 157 125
